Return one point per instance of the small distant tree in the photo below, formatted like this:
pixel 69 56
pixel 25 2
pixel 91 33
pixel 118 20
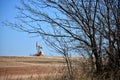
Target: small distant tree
pixel 90 26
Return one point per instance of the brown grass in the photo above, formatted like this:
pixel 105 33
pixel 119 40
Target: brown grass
pixel 45 68
pixel 31 68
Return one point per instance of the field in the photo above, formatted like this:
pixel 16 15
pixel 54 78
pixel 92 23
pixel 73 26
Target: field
pixel 30 68
pixel 47 68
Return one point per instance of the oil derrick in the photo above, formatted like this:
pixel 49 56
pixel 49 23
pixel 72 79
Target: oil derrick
pixel 39 50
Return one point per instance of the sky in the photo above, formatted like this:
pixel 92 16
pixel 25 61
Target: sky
pixel 12 42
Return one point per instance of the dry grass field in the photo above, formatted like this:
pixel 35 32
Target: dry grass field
pixel 30 68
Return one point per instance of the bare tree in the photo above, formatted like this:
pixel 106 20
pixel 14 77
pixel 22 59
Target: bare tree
pixel 62 46
pixel 92 26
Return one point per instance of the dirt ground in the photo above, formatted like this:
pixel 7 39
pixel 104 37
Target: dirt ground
pixel 20 67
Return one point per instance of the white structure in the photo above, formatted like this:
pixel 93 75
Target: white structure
pixel 39 48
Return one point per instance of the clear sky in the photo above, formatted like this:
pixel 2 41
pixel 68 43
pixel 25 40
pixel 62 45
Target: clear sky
pixel 14 43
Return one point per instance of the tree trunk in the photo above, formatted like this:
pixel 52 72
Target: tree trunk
pixel 98 60
pixel 118 31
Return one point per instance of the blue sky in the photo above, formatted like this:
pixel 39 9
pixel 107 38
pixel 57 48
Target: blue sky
pixel 14 43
